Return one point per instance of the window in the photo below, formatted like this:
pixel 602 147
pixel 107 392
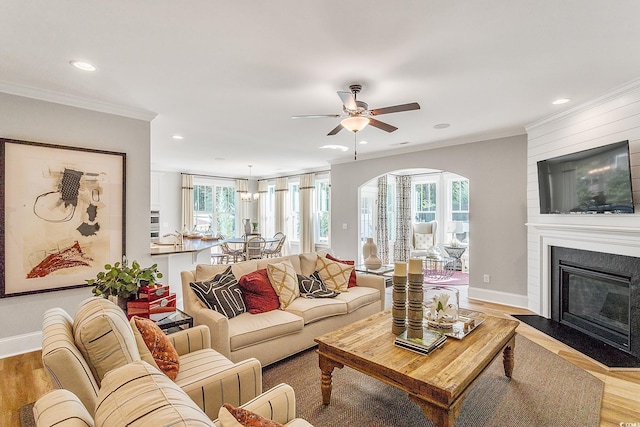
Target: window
pixel 294 212
pixel 368 196
pixel 459 193
pixel 214 207
pixel 322 211
pixel 424 201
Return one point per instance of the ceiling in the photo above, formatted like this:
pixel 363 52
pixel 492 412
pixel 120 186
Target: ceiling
pixel 228 76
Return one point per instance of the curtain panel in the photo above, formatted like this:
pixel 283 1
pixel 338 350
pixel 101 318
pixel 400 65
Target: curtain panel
pixel 242 212
pixel 402 247
pixel 263 189
pixel 281 205
pixel 307 185
pixel 382 229
pixel 187 202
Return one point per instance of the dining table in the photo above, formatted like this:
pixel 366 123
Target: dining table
pixel 243 240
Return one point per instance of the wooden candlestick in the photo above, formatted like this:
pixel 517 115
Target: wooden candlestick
pixel 415 299
pixel 399 307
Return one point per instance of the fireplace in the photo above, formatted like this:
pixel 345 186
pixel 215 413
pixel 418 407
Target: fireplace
pixel 597 294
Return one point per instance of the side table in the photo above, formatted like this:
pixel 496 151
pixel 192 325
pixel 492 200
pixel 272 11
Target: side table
pixel 173 321
pixel 382 271
pixel 456 252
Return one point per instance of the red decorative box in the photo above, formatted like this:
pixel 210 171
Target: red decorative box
pixel 144 308
pixel 153 293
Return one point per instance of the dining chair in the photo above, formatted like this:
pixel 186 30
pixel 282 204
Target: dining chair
pixel 255 247
pixel 221 257
pixel 275 249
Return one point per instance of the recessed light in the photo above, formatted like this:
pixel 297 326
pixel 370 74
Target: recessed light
pixel 219 159
pixel 441 126
pixel 177 137
pixel 364 142
pixel 335 147
pixel 83 65
pixel 561 101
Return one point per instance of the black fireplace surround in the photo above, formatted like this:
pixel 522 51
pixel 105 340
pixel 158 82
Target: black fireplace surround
pixel 597 294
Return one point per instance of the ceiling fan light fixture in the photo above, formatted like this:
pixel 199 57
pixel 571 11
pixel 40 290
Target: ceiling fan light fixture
pixel 355 123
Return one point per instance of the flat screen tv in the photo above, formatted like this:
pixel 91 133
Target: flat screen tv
pixel 587 182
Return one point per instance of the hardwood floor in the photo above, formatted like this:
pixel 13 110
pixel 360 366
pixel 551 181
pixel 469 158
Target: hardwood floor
pixel 24 378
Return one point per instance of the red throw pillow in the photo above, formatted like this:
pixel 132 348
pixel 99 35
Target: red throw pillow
pixel 257 292
pixel 352 277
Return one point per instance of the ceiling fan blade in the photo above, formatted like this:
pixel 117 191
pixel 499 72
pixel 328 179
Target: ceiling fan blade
pixel 381 125
pixel 348 100
pixel 395 109
pixel 335 130
pixel 315 116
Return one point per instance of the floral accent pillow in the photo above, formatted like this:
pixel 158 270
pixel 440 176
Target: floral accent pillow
pixel 230 416
pixel 334 274
pixel 162 351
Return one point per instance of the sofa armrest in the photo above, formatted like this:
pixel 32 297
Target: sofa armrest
pixel 192 339
pixel 373 281
pixel 61 408
pixel 218 326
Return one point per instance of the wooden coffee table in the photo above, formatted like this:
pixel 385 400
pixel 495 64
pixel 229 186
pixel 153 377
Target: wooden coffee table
pixel 438 382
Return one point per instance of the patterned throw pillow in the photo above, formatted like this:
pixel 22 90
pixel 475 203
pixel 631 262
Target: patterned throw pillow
pixel 352 276
pixel 230 416
pixel 334 274
pixel 314 287
pixel 423 241
pixel 222 294
pixel 284 280
pixel 163 352
pixel 257 292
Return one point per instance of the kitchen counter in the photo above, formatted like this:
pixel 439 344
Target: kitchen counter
pixel 189 246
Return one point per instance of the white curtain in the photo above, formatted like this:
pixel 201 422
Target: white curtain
pixel 307 185
pixel 281 205
pixel 402 247
pixel 243 211
pixel 187 201
pixel 382 230
pixel 263 190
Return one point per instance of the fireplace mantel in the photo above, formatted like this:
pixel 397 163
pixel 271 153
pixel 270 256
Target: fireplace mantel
pixel 621 240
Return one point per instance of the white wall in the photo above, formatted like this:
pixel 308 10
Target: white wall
pixel 610 118
pixel 497 175
pixel 33 120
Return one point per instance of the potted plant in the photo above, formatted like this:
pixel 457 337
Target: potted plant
pixel 122 282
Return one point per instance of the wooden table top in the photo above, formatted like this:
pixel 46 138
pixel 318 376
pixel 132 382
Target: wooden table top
pixel 441 377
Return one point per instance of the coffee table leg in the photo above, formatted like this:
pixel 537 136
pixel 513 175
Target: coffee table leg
pixel 441 417
pixel 507 357
pixel 326 367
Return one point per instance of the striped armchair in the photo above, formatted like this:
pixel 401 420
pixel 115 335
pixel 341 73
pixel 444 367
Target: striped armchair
pixel 78 353
pixel 137 394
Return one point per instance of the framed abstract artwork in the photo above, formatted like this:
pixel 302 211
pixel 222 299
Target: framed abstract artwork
pixel 62 215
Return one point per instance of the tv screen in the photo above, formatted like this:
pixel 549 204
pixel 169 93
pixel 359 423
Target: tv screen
pixel 590 181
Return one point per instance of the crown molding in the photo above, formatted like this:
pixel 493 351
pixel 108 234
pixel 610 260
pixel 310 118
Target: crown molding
pixel 615 93
pixel 75 101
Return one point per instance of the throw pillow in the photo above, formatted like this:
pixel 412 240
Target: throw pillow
pixel 163 352
pixel 284 280
pixel 313 287
pixel 352 276
pixel 423 241
pixel 222 294
pixel 230 416
pixel 257 292
pixel 334 274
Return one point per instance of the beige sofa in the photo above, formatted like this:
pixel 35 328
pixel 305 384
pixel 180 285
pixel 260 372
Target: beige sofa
pixel 276 334
pixel 137 394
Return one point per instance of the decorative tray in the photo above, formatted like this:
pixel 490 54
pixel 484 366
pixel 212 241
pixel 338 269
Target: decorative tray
pixel 468 321
pixel 207 238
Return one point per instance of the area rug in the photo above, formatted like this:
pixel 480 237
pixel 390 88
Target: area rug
pixel 545 391
pixel 457 279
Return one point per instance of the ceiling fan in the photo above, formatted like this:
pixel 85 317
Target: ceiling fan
pixel 357 114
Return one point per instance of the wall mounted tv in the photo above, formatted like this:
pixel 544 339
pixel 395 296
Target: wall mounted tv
pixel 587 182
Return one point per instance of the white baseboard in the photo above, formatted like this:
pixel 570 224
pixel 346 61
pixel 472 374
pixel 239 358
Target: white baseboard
pixel 498 297
pixel 20 344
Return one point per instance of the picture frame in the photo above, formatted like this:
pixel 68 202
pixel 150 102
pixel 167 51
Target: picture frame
pixel 62 215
